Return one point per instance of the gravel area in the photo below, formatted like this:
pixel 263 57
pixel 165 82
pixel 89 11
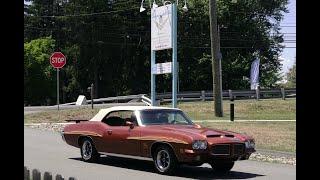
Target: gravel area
pixel 257 156
pixel 260 155
pixel 48 126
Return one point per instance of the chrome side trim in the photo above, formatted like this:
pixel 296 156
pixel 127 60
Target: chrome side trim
pixel 84 133
pixel 127 156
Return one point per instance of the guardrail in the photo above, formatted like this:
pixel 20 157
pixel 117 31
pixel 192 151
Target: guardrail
pixel 117 99
pixel 36 175
pixel 198 96
pixel 227 94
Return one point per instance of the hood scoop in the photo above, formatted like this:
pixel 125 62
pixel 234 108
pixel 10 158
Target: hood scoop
pixel 213 135
pixel 229 135
pixel 219 135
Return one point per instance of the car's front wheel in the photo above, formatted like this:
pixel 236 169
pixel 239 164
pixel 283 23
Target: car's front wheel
pixel 165 160
pixel 222 166
pixel 88 151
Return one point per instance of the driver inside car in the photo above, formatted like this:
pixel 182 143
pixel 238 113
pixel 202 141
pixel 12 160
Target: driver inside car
pixel 163 118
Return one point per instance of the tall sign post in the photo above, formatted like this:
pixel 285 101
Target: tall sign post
pixel 57 60
pixel 174 56
pixel 164 36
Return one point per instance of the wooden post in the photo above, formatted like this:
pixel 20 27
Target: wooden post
pixel 258 93
pixel 59 177
pixel 232 109
pixel 47 176
pixel 26 174
pixel 216 59
pixel 230 94
pixel 283 93
pixel 92 94
pixel 203 95
pixel 36 175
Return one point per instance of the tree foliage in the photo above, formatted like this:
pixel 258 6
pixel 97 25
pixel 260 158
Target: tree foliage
pixel 38 74
pixel 107 42
pixel 291 77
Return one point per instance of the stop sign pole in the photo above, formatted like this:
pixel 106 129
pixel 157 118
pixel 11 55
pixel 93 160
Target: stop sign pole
pixel 57 60
pixel 58 88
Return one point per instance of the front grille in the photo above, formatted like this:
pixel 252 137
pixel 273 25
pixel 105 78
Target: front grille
pixel 238 149
pixel 228 149
pixel 221 149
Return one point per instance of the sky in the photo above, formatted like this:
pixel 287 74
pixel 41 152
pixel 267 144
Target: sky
pixel 288 55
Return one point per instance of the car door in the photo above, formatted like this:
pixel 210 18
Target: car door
pixel 118 135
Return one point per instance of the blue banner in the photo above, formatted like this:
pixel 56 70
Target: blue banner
pixel 254 74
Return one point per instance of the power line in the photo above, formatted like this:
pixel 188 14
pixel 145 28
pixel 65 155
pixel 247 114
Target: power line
pixel 137 34
pixel 77 15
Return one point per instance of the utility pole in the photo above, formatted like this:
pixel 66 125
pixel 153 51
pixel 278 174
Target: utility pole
pixel 216 59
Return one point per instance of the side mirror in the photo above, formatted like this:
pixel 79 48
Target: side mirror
pixel 128 123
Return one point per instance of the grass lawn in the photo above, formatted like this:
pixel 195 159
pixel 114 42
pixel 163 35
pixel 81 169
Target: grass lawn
pixel 54 116
pixel 266 109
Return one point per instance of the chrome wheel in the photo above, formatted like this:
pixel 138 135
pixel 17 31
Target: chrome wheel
pixel 163 160
pixel 86 150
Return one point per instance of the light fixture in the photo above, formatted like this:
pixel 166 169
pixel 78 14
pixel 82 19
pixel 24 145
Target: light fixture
pixel 166 2
pixel 154 5
pixel 185 8
pixel 141 7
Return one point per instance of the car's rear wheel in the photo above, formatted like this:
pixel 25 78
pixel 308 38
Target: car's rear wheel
pixel 222 166
pixel 165 160
pixel 88 151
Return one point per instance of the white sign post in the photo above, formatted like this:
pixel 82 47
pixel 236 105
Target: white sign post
pixel 164 36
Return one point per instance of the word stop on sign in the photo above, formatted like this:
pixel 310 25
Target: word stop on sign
pixel 57 60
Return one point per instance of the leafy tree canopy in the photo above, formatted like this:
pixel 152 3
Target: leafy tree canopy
pixel 107 42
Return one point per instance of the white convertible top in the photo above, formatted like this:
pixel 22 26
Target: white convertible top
pixel 103 112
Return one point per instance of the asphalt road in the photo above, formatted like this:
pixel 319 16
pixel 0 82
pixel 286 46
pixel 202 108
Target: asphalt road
pixel 45 150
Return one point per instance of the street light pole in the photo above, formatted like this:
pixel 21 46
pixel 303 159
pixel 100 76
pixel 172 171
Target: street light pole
pixel 216 59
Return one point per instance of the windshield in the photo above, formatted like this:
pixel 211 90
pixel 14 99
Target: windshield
pixel 164 116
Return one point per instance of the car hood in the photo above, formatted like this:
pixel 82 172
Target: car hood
pixel 196 131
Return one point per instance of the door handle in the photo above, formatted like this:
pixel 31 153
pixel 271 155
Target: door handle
pixel 109 132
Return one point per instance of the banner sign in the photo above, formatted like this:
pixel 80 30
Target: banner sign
pixel 162 68
pixel 254 74
pixel 161 27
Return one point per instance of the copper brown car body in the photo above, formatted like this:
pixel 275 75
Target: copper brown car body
pixel 131 138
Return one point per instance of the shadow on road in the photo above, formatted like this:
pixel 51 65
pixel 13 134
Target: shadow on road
pixel 183 171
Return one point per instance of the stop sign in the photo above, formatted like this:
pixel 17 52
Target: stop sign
pixel 57 60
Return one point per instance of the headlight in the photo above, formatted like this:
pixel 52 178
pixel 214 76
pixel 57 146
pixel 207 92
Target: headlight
pixel 198 144
pixel 250 144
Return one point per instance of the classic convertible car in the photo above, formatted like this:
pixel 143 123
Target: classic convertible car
pixel 165 136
